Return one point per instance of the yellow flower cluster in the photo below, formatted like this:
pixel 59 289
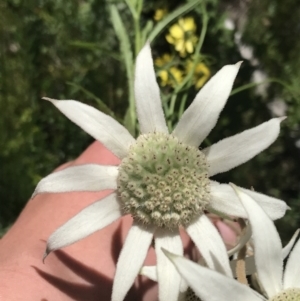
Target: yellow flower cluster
pixel 182 36
pixel 169 75
pixel 201 73
pixel 160 13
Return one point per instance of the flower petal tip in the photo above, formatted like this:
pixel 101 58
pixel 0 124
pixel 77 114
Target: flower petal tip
pixel 145 49
pixel 282 118
pixel 49 99
pixel 34 194
pixel 47 252
pixel 238 64
pixel 149 272
pixel 234 187
pixel 237 190
pixel 170 255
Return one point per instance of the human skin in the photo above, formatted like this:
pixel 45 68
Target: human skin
pixel 82 271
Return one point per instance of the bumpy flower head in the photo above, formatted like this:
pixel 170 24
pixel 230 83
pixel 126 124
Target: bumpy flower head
pixel 163 182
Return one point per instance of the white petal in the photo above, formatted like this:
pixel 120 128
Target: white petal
pixel 273 207
pixel 91 219
pixel 89 177
pixel 150 272
pixel 210 244
pixel 183 286
pixel 168 277
pixel 238 149
pixel 223 199
pixel 147 95
pixel 287 249
pixel 292 269
pixel 210 285
pixel 267 245
pixel 202 115
pixel 99 125
pixel 131 259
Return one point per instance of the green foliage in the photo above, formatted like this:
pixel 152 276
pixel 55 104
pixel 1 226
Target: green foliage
pixel 44 46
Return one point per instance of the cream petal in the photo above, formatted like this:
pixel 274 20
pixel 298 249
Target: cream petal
pixel 273 207
pixel 292 269
pixel 100 126
pixel 89 177
pixel 210 244
pixel 202 115
pixel 210 285
pixel 183 286
pixel 238 149
pixel 287 249
pixel 91 219
pixel 150 272
pixel 148 103
pixel 131 259
pixel 267 245
pixel 223 199
pixel 168 277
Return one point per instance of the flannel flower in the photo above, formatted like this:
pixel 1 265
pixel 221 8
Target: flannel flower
pixel 162 180
pixel 276 285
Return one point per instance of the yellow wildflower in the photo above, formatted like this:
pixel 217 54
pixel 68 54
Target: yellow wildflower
pixel 169 75
pixel 182 36
pixel 175 76
pixel 160 13
pixel 201 73
pixel 163 60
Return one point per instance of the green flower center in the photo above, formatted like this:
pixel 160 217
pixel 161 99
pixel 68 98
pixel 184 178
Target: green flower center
pixel 290 294
pixel 163 182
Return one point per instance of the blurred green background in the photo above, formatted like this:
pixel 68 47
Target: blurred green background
pixel 69 50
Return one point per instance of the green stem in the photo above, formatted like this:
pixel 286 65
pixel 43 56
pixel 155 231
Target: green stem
pixel 172 104
pixel 126 50
pixel 269 80
pixel 136 13
pixel 132 106
pixel 189 76
pixel 137 33
pixel 182 105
